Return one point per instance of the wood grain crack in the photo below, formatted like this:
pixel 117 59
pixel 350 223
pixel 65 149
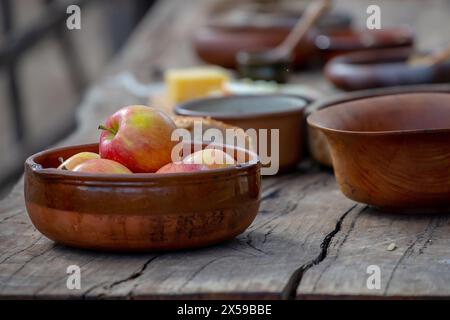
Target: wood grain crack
pixel 289 292
pixel 288 208
pixel 344 240
pixel 131 277
pixel 51 247
pixel 85 294
pixel 17 213
pixel 22 250
pixel 201 269
pixel 427 234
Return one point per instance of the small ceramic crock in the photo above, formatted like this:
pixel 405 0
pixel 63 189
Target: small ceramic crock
pixel 272 111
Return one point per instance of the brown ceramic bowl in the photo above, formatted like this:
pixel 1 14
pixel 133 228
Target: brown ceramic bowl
pixel 283 112
pixel 138 212
pixel 382 68
pixel 218 42
pixel 219 45
pixel 317 142
pixel 340 42
pixel 392 152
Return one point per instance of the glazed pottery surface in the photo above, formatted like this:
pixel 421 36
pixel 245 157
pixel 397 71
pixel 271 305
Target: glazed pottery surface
pixel 137 212
pixel 282 112
pixel 392 152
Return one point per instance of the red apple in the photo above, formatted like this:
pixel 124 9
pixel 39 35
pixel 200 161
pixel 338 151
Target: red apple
pixel 101 166
pixel 76 159
pixel 138 137
pixel 181 167
pixel 212 158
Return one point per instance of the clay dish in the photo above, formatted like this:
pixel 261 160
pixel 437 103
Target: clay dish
pixel 283 112
pixel 140 212
pixel 218 42
pixel 391 152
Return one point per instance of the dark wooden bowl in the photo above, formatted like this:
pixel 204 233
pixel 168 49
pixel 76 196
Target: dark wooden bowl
pixel 382 68
pixel 283 112
pixel 392 152
pixel 218 43
pixel 340 42
pixel 139 212
pixel 317 142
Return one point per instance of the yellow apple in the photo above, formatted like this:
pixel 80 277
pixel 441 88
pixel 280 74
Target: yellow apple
pixel 212 158
pixel 102 166
pixel 77 159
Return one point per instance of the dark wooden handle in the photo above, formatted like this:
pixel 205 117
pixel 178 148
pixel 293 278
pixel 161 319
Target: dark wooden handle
pixel 312 13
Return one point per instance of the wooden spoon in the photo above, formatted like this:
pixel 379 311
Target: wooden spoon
pixel 273 64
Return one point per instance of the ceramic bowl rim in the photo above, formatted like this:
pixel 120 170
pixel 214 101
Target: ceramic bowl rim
pixel 314 122
pixel 182 108
pixel 136 178
pixel 361 61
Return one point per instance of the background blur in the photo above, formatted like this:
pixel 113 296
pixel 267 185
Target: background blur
pixel 44 69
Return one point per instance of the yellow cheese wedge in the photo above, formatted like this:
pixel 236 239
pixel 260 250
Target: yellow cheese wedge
pixel 195 82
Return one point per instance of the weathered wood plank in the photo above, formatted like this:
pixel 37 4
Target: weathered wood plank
pixel 307 240
pixel 419 266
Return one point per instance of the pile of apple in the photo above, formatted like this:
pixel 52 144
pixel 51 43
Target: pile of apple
pixel 137 139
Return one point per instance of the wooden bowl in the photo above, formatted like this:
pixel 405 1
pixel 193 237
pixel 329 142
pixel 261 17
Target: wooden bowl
pixel 219 42
pixel 392 152
pixel 140 212
pixel 283 112
pixel 382 68
pixel 219 45
pixel 316 141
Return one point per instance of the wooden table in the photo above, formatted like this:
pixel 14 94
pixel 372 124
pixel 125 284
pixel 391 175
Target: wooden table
pixel 308 240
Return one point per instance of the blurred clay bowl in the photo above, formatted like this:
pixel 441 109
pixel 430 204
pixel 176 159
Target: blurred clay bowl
pixel 274 111
pixel 382 68
pixel 218 42
pixel 140 212
pixel 393 151
pixel 339 42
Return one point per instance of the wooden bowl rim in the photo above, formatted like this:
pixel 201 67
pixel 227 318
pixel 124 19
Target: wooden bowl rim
pixel 363 61
pixel 144 179
pixel 285 21
pixel 181 109
pixel 386 66
pixel 314 118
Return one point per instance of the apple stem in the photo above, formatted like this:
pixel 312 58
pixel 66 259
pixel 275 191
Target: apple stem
pixel 102 127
